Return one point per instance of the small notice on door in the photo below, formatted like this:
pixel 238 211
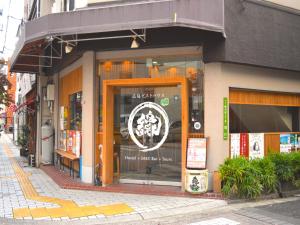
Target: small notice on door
pixel 196 153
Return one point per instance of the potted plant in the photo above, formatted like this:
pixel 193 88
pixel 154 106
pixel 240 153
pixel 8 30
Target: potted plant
pixel 23 140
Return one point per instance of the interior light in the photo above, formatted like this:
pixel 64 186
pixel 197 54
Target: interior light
pixel 134 43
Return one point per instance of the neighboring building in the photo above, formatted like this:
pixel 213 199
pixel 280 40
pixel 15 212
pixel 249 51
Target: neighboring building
pixel 100 61
pixel 25 111
pixel 9 110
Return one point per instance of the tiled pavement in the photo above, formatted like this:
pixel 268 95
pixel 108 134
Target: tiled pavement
pixel 29 194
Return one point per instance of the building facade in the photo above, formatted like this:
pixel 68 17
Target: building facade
pixel 126 85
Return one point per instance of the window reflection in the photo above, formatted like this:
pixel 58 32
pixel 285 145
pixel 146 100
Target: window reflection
pixel 263 118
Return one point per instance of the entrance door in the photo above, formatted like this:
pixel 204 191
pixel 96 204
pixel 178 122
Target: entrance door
pixel 147 134
pixel 145 129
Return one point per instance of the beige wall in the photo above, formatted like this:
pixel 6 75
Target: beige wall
pixel 219 77
pixel 288 3
pixel 88 115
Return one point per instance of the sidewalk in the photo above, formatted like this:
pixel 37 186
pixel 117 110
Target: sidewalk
pixel 28 194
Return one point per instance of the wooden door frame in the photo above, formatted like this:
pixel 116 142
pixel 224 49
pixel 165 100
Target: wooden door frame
pixel 108 114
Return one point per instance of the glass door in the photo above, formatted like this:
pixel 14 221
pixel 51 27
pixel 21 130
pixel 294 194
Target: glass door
pixel 147 134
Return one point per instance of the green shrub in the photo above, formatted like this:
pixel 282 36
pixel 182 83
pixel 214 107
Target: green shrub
pixel 295 161
pixel 240 178
pixel 283 166
pixel 248 179
pixel 267 175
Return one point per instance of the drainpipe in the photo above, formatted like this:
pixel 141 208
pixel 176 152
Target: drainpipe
pixel 38 119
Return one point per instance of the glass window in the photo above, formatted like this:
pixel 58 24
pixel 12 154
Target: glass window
pixel 263 118
pixel 75 111
pixel 190 66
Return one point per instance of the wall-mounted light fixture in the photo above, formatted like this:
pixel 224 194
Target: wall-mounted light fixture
pixel 68 48
pixel 134 43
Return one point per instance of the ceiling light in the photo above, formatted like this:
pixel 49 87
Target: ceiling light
pixel 68 48
pixel 134 43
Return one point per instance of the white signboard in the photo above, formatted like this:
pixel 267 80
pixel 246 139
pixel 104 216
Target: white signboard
pixel 235 140
pixel 26 82
pixel 256 145
pixel 196 153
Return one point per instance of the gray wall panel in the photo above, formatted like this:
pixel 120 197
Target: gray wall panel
pixel 261 35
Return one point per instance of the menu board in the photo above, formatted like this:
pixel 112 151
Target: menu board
pixel 196 153
pixel 235 140
pixel 256 145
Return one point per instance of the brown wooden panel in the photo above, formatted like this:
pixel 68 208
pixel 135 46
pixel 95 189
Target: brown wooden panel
pixel 70 84
pixel 239 96
pixel 195 135
pixel 272 143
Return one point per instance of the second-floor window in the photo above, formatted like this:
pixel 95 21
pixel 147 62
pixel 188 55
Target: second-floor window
pixel 69 5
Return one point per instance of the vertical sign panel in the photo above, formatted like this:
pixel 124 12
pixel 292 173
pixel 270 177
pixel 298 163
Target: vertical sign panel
pixel 225 118
pixel 235 145
pixel 244 145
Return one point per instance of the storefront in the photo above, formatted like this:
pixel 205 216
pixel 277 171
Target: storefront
pixel 148 106
pixel 127 110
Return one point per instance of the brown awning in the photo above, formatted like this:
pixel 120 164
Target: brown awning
pixel 197 14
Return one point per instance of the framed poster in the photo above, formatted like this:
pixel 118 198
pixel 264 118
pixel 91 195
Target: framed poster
pixel 285 143
pixel 289 142
pixel 235 140
pixel 256 145
pixel 196 153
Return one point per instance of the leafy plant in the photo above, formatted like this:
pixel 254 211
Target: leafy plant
pixel 24 136
pixel 283 166
pixel 248 179
pixel 5 98
pixel 295 161
pixel 267 175
pixel 240 178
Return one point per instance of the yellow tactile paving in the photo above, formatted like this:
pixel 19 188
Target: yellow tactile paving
pixel 111 209
pixel 39 212
pixel 22 212
pixel 68 207
pixel 57 212
pixel 75 212
pixel 91 210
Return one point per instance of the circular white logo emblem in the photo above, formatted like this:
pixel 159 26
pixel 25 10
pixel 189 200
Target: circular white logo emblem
pixel 149 118
pixel 197 125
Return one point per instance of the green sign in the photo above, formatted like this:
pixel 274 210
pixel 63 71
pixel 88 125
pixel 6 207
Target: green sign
pixel 225 118
pixel 164 102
